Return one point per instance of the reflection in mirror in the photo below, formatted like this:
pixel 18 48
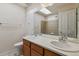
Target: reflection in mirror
pixel 62 20
pixel 68 23
pixel 62 23
pixel 50 25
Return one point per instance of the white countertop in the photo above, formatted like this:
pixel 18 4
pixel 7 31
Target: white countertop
pixel 44 41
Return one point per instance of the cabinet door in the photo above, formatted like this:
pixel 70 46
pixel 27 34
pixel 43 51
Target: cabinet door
pixel 37 48
pixel 49 53
pixel 26 50
pixel 34 53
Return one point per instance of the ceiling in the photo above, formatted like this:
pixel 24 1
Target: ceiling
pixel 54 8
pixel 58 7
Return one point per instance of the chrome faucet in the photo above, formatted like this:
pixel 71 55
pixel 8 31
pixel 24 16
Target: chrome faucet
pixel 63 37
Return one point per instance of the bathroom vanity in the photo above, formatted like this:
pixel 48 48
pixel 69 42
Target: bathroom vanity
pixel 41 45
pixel 32 49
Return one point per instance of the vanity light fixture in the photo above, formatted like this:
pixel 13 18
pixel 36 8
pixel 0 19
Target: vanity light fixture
pixel 45 11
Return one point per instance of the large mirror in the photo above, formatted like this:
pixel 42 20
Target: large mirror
pixel 61 21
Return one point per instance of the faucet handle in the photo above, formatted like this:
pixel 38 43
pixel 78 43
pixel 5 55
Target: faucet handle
pixel 61 33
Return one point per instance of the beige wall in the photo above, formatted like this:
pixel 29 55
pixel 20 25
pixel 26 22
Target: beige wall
pixel 50 25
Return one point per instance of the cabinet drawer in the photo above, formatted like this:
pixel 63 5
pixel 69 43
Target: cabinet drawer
pixel 49 53
pixel 25 42
pixel 37 48
pixel 34 53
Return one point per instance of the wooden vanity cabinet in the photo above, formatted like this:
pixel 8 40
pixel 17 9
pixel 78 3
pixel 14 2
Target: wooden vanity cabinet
pixel 31 49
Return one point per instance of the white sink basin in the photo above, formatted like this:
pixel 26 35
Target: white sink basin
pixel 65 46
